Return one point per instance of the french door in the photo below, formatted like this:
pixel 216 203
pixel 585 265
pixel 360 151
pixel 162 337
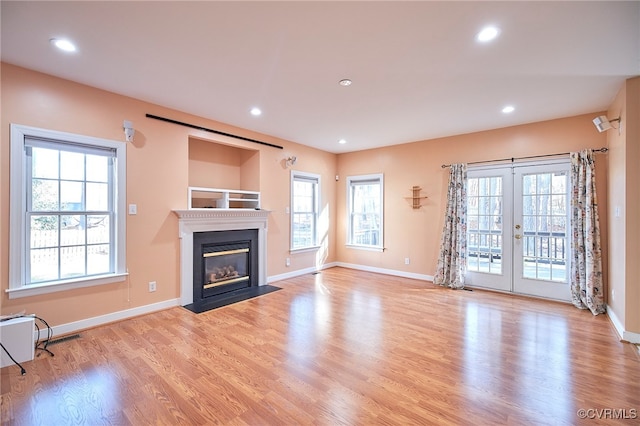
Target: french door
pixel 518 229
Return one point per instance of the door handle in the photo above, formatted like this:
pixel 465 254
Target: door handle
pixel 517 236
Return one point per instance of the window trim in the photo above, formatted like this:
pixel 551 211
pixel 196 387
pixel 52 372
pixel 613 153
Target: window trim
pixel 18 199
pixel 309 177
pixel 362 178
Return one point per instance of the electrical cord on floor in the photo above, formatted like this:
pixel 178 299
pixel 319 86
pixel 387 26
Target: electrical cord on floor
pixel 42 344
pixel 22 370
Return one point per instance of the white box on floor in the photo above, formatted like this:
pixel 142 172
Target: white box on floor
pixel 16 336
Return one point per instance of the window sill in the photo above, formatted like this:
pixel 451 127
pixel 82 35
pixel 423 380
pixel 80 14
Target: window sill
pixel 368 248
pixel 38 289
pixel 304 249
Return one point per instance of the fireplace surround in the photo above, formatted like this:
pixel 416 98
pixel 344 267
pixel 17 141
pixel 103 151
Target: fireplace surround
pixel 196 221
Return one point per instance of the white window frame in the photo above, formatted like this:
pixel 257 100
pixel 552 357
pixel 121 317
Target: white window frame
pixel 308 177
pixel 18 213
pixel 357 180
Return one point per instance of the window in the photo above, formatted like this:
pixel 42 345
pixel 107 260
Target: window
pixel 305 188
pixel 67 211
pixel 365 204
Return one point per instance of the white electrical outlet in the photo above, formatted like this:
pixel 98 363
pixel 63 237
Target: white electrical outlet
pixel 152 286
pixel 406 261
pixel 287 262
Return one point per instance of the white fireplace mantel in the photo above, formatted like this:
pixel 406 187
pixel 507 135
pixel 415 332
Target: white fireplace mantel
pixel 205 220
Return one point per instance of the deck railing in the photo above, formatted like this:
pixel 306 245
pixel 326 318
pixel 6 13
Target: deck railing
pixel 549 246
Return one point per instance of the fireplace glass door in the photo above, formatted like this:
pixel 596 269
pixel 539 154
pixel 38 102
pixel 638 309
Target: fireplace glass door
pixel 224 264
pixel 225 268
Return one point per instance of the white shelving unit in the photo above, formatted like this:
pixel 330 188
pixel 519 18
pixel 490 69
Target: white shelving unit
pixel 217 198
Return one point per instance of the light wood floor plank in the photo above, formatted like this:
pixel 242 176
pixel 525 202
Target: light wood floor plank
pixel 343 347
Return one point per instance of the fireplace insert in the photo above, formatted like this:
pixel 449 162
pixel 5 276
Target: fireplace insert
pixel 224 262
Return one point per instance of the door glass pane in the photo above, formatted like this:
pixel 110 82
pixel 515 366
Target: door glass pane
pixel 484 224
pixel 528 184
pixel 544 226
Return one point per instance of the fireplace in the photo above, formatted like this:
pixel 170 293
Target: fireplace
pixel 223 262
pixel 209 225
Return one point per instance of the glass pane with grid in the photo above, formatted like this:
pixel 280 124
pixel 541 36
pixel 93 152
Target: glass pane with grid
pixel 69 209
pixel 544 207
pixel 365 214
pixel 304 213
pixel 484 224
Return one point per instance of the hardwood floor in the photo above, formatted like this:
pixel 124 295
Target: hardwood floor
pixel 342 347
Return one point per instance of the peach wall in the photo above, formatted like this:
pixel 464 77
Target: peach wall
pixel 275 195
pixel 416 233
pixel 624 228
pixel 617 188
pixel 213 165
pixel 632 216
pixel 157 181
pixel 250 170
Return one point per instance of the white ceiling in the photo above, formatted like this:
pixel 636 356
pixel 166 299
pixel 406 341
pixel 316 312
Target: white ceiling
pixel 418 72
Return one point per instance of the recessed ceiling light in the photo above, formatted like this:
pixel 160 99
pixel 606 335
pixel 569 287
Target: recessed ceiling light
pixel 256 111
pixel 508 109
pixel 342 141
pixel 63 44
pixel 487 34
pixel 345 82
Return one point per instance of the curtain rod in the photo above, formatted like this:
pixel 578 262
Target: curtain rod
pixel 512 159
pixel 193 126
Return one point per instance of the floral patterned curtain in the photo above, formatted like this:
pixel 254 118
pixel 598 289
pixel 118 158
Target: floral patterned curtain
pixel 587 291
pixel 452 262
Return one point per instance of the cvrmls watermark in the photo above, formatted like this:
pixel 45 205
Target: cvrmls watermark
pixel 608 413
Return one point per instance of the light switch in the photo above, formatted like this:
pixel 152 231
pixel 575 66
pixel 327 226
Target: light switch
pixel 133 209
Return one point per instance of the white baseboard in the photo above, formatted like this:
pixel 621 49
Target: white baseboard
pixel 627 336
pixel 386 271
pixel 298 272
pixel 313 269
pixel 74 327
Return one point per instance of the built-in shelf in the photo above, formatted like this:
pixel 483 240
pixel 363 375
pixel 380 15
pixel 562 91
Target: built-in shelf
pixel 217 198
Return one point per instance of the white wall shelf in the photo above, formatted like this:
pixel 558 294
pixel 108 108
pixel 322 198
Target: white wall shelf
pixel 217 198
